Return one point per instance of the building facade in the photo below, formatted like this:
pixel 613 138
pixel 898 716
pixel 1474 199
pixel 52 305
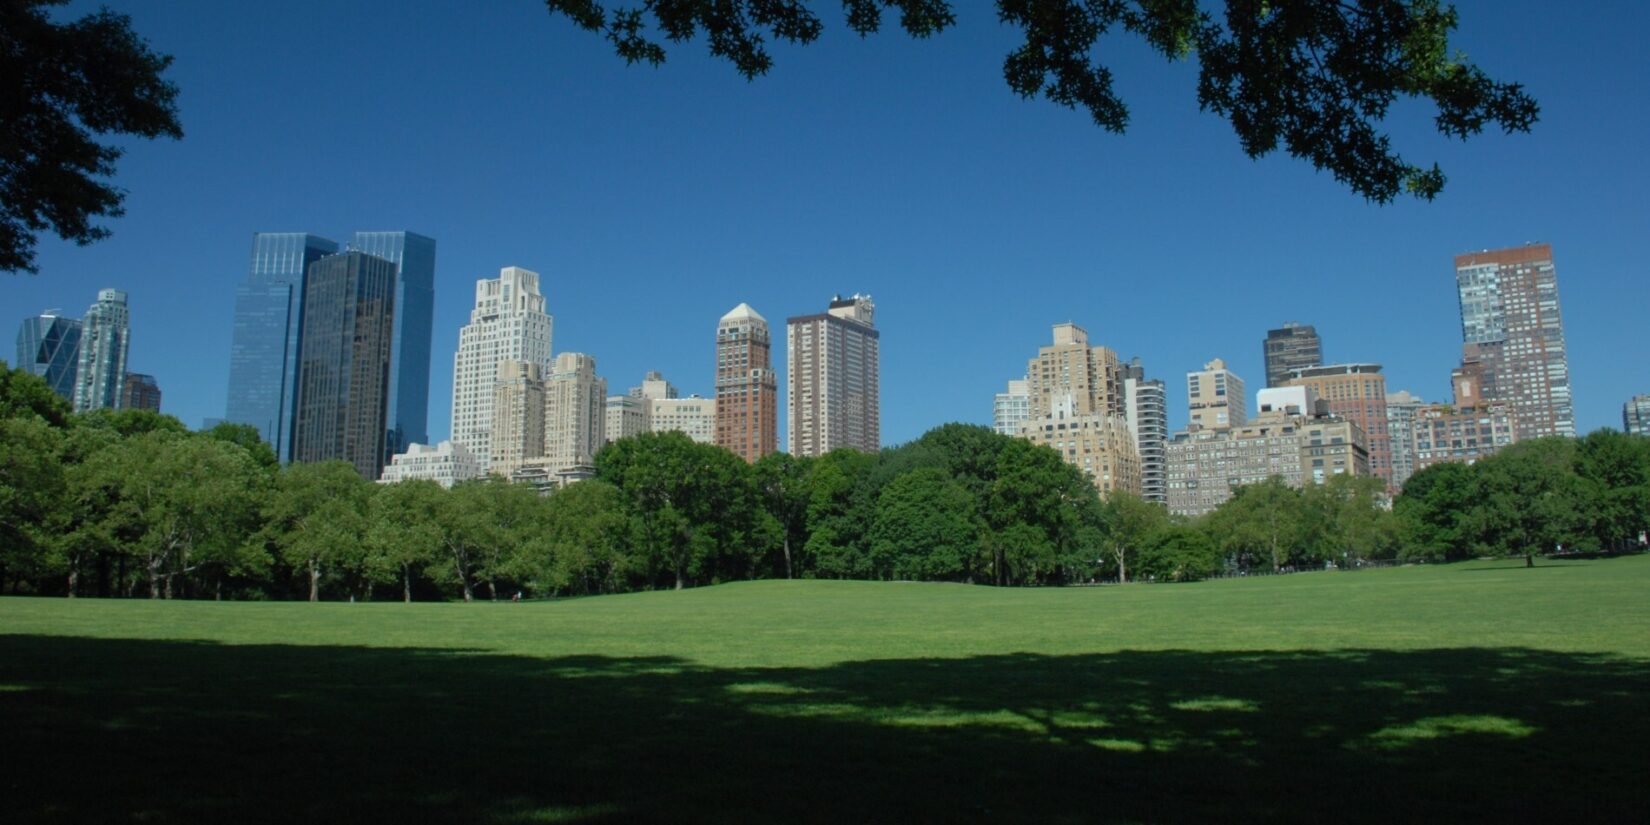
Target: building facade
pixel 575 412
pixel 1205 465
pixel 1079 409
pixel 1511 323
pixel 747 392
pixel 1290 347
pixel 1215 397
pixel 139 392
pixel 409 394
pixel 446 464
pixel 100 368
pixel 507 323
pixel 1356 392
pixel 692 416
pixel 518 416
pixel 832 375
pixel 1010 409
pixel 626 416
pixel 1401 409
pixel 48 345
pixel 1147 405
pixel 263 352
pixel 1635 415
pixel 344 374
pixel 1470 429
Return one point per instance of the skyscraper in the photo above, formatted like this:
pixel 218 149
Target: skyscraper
pixel 575 412
pixel 1510 322
pixel 1401 411
pixel 747 393
pixel 48 345
pixel 1635 415
pixel 139 392
pixel 409 393
pixel 105 334
pixel 1079 408
pixel 1291 347
pixel 1147 406
pixel 508 323
pixel 1215 397
pixel 832 379
pixel 518 416
pixel 263 354
pixel 344 375
pixel 1357 393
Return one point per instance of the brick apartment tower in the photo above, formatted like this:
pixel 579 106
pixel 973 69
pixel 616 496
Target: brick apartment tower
pixel 747 393
pixel 1357 393
pixel 1510 324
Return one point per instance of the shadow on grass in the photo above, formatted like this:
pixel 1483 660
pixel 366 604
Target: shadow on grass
pixel 118 730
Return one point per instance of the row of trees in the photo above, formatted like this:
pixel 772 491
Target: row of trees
pixel 130 503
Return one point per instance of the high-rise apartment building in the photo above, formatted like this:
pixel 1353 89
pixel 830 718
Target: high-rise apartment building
pixel 1470 429
pixel 1635 415
pixel 1356 392
pixel 409 393
pixel 747 393
pixel 692 416
pixel 1215 397
pixel 1291 347
pixel 1148 416
pixel 575 412
pixel 1079 408
pixel 1510 322
pixel 100 369
pixel 48 345
pixel 263 353
pixel 1011 408
pixel 446 464
pixel 508 323
pixel 626 416
pixel 344 374
pixel 832 379
pixel 1204 465
pixel 653 385
pixel 518 416
pixel 1401 411
pixel 139 392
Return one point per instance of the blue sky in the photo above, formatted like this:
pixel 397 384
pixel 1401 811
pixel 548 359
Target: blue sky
pixel 653 200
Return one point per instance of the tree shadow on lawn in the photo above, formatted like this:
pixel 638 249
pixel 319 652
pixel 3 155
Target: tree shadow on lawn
pixel 124 730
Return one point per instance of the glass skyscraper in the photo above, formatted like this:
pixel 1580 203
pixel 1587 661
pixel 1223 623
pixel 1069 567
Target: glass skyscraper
pixel 263 356
pixel 105 335
pixel 48 345
pixel 409 392
pixel 344 374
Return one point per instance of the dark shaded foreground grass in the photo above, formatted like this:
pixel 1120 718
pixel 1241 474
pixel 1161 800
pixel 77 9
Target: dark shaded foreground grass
pixel 162 731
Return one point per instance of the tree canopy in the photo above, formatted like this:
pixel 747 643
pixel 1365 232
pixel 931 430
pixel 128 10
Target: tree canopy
pixel 1315 77
pixel 69 84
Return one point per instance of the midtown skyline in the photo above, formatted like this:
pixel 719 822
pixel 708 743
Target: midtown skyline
pixel 1165 242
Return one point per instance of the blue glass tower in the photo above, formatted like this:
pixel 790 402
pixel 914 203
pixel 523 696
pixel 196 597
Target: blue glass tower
pixel 409 396
pixel 263 356
pixel 49 346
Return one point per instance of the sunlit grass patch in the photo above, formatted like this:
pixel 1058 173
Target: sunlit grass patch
pixel 1438 727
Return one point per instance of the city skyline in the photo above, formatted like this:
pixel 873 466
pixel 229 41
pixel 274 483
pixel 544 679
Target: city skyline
pixel 753 197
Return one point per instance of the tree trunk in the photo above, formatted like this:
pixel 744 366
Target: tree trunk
pixel 154 581
pixel 217 590
pixel 1529 559
pixel 170 577
pixel 1122 569
pixel 492 590
pixel 406 584
pixel 314 581
pixel 74 579
pixel 788 555
pixel 469 592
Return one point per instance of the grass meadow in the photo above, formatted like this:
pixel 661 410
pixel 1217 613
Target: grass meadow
pixel 1472 692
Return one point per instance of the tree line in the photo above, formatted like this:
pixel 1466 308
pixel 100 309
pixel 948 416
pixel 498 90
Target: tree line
pixel 131 504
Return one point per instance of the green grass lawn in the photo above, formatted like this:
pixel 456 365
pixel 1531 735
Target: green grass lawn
pixel 1482 691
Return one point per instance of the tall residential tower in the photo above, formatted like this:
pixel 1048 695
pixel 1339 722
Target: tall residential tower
pixel 508 323
pixel 747 415
pixel 1291 347
pixel 1510 323
pixel 105 335
pixel 832 379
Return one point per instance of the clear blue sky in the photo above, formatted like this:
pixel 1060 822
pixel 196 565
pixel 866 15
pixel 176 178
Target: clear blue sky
pixel 653 200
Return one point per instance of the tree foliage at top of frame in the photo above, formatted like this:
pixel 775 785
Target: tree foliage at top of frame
pixel 1316 77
